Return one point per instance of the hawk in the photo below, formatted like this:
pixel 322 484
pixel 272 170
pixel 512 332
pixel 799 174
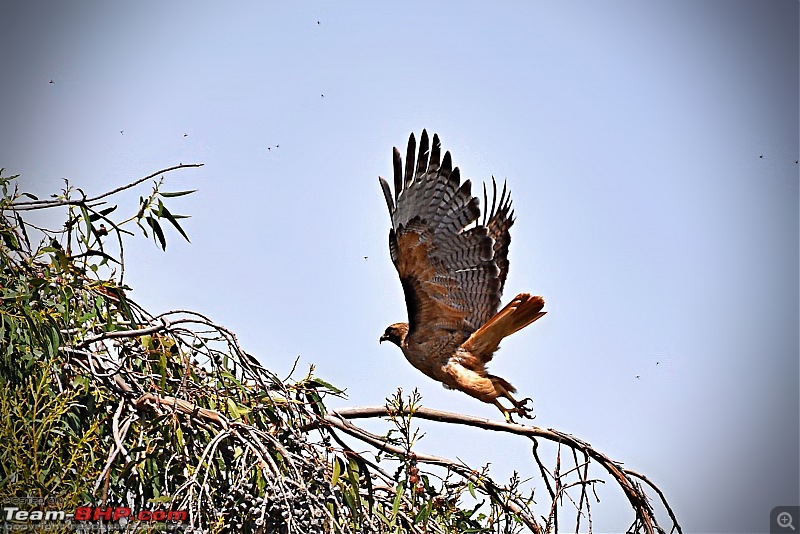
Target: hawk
pixel 452 268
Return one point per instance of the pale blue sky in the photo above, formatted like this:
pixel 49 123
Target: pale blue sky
pixel 631 135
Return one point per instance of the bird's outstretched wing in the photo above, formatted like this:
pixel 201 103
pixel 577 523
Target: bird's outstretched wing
pixel 452 268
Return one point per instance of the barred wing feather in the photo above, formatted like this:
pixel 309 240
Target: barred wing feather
pixel 452 267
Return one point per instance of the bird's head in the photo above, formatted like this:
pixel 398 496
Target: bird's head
pixel 395 333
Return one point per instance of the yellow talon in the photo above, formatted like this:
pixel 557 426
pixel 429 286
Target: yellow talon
pixel 519 408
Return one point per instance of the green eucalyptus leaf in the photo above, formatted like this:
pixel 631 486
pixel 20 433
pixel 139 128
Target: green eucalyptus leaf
pixel 176 193
pixel 157 232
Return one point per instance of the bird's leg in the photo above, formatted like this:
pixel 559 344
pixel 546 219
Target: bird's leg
pixel 519 408
pixel 506 411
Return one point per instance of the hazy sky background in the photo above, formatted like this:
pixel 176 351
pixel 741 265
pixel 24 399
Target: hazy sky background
pixel 651 152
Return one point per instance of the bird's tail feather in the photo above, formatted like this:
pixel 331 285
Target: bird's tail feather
pixel 516 315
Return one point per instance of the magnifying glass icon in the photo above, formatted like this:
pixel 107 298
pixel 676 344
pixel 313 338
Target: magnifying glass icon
pixel 784 520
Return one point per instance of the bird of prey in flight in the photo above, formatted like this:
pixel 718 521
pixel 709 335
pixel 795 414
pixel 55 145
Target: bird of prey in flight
pixel 452 267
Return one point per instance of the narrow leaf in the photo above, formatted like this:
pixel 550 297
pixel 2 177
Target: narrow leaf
pixel 157 231
pixel 330 387
pixel 101 213
pixel 177 193
pixel 96 253
pixel 397 498
pixel 337 470
pixel 86 217
pixel 233 408
pixel 171 218
pixel 21 226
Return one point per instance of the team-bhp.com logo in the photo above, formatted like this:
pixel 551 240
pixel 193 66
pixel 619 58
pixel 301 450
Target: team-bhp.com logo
pixel 85 515
pixel 88 513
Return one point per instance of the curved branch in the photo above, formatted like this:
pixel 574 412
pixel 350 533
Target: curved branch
pixel 660 495
pixel 136 332
pixel 185 407
pixel 636 497
pixel 336 419
pixel 44 204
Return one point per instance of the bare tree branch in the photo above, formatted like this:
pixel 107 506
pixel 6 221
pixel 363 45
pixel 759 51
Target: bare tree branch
pixel 636 497
pixel 336 419
pixel 43 204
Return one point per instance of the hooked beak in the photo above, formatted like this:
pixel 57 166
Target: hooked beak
pixel 384 337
